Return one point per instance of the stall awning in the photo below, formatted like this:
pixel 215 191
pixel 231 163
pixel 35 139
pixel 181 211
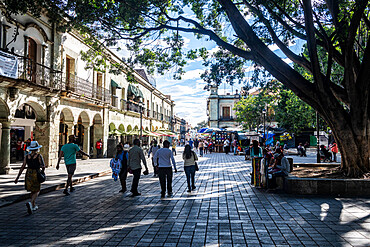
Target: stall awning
pixel 115 84
pixel 135 91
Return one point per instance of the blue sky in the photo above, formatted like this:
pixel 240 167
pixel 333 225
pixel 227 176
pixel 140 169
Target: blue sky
pixel 188 93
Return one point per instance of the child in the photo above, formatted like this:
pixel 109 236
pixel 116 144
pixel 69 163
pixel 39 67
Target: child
pixel 115 164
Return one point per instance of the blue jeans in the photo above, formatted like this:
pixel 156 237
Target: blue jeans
pixel 190 174
pixel 201 151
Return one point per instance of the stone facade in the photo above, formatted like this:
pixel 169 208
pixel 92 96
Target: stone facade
pixel 220 109
pixel 56 95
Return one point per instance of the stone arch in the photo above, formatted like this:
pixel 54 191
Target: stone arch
pixel 82 131
pixel 96 133
pixel 4 110
pixel 112 126
pixel 38 28
pixel 67 115
pixel 121 127
pixel 129 128
pixel 84 118
pixel 65 126
pixel 97 119
pixel 39 111
pixel 146 128
pixel 136 127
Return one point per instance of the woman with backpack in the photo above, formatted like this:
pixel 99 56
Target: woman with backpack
pixel 122 156
pixel 34 163
pixel 190 159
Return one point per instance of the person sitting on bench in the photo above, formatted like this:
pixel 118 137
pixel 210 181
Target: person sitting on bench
pixel 280 168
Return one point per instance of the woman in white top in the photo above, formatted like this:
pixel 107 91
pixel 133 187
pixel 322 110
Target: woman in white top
pixel 190 158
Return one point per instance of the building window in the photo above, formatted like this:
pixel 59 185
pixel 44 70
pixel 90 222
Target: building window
pixel 226 112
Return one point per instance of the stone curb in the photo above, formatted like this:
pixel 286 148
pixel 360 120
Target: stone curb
pixel 327 186
pixel 9 200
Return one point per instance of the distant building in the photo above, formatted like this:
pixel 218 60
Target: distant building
pixel 220 109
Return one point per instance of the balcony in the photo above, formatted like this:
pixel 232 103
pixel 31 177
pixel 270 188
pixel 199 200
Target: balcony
pixel 29 72
pixel 133 106
pixel 85 88
pixel 227 118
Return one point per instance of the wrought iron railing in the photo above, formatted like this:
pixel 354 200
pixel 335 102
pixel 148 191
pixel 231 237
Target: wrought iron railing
pixel 131 106
pixel 85 88
pixel 35 73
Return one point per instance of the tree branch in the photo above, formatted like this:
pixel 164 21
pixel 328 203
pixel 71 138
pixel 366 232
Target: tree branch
pixel 291 55
pixel 311 44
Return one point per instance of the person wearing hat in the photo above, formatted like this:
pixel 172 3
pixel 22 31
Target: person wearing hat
pixel 34 162
pixel 69 151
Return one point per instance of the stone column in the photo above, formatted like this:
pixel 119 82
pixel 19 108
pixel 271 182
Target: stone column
pixel 86 140
pixel 42 135
pixel 5 148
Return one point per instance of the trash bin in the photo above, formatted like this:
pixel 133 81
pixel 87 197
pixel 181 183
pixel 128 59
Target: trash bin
pixel 291 164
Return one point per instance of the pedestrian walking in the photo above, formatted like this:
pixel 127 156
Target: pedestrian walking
pixel 69 151
pixel 334 150
pixel 135 157
pixel 34 162
pixel 201 148
pixel 174 144
pixel 205 146
pixel 152 150
pixel 189 158
pixel 235 146
pixel 122 155
pixel 196 144
pixel 19 149
pixel 191 143
pixel 227 146
pixel 163 158
pixel 99 148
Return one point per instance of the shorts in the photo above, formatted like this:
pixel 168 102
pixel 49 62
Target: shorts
pixel 71 169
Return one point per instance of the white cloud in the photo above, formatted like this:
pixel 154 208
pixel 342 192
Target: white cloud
pixel 192 74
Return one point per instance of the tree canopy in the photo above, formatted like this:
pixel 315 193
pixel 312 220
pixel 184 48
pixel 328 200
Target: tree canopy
pixel 335 35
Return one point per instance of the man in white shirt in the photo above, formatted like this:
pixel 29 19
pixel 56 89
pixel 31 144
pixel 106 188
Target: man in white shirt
pixel 163 158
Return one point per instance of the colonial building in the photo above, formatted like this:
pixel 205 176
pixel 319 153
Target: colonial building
pixel 220 109
pixel 47 92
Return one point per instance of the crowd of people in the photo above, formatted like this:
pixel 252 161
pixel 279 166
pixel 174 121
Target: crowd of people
pixel 129 159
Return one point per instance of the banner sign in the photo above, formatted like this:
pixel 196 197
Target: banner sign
pixel 8 65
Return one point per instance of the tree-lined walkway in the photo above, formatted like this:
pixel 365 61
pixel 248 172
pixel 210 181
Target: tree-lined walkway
pixel 224 210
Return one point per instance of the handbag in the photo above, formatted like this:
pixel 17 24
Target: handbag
pixel 41 177
pixel 195 163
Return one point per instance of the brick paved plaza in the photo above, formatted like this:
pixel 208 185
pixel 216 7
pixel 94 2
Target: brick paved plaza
pixel 225 210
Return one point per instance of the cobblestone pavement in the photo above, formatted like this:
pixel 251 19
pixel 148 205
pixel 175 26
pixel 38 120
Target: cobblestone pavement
pixel 225 210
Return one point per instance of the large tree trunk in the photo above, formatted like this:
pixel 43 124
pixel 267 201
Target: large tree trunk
pixel 354 150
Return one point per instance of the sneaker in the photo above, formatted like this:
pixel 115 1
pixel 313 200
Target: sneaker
pixel 193 187
pixel 29 208
pixel 35 208
pixel 71 189
pixel 122 191
pixel 163 195
pixel 189 190
pixel 170 194
pixel 65 192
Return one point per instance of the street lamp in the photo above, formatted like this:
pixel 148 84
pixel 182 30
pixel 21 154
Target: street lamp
pixel 141 104
pixel 264 125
